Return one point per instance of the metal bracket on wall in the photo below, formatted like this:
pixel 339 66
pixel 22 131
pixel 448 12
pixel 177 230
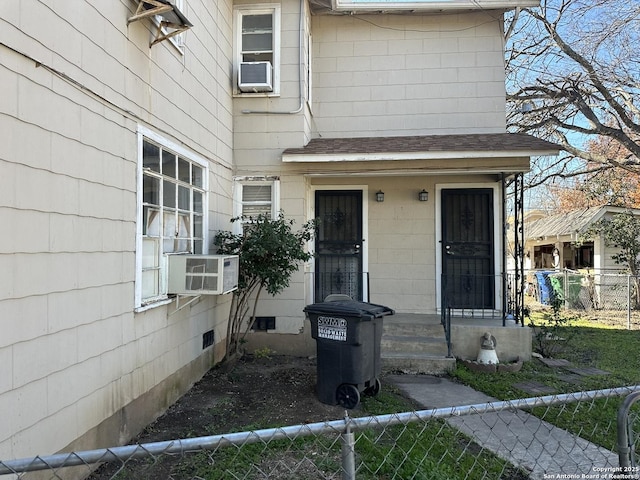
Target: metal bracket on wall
pixel 192 298
pixel 172 22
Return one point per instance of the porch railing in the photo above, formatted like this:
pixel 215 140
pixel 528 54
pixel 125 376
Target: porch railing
pixel 445 316
pixel 467 295
pixel 482 296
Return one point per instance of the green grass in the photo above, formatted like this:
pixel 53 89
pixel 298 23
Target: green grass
pixel 425 450
pixel 587 344
pixel 429 451
pixel 433 450
pixel 422 450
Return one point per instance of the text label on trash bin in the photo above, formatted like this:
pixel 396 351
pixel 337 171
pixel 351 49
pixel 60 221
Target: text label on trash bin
pixel 332 328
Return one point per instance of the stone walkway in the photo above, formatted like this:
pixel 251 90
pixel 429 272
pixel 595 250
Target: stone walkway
pixel 523 439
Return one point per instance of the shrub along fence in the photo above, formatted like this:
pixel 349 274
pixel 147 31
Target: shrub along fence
pixel 540 437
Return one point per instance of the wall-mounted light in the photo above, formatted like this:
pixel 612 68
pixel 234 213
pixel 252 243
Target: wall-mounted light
pixel 379 196
pixel 423 195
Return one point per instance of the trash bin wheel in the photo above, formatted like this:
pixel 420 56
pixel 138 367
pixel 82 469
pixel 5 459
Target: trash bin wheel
pixel 347 396
pixel 373 389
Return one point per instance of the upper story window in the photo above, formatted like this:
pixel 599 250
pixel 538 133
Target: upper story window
pixel 257 49
pixel 172 215
pixel 178 39
pixel 257 38
pixel 167 17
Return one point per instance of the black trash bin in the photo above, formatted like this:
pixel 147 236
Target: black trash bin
pixel 347 335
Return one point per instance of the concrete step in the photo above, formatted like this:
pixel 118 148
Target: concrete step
pixel 412 328
pixel 416 363
pixel 414 344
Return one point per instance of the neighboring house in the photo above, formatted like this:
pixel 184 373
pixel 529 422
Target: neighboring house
pixel 122 145
pixel 558 257
pixel 556 242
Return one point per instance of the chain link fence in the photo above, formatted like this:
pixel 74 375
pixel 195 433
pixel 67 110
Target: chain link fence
pixel 591 434
pixel 613 296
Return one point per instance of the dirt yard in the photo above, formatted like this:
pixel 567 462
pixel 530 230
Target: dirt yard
pixel 258 392
pixel 255 393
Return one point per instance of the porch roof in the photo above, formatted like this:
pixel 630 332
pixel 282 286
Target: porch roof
pixel 426 147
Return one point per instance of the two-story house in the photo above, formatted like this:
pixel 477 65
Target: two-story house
pixel 133 130
pixel 386 121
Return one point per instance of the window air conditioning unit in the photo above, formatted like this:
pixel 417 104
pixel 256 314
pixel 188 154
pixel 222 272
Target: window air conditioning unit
pixel 255 77
pixel 203 274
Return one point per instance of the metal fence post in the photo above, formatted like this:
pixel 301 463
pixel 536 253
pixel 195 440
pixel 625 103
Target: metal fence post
pixel 625 453
pixel 348 451
pixel 565 287
pixel 629 302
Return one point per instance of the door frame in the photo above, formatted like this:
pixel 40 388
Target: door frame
pixel 497 235
pixel 311 213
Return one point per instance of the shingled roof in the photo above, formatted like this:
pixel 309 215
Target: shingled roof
pixel 427 146
pixel 569 223
pixel 565 223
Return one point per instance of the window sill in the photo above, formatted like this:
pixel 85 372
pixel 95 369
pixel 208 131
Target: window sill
pixel 153 304
pixel 238 94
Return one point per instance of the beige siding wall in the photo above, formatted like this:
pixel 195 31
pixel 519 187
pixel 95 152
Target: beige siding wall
pixel 260 137
pixel 604 255
pixel 376 75
pixel 73 353
pixel 400 248
pixel 401 239
pixel 408 74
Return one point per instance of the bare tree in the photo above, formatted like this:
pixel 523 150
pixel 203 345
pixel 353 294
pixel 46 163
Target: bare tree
pixel 613 186
pixel 573 75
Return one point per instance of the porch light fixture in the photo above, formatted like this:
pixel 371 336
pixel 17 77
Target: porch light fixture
pixel 423 195
pixel 379 196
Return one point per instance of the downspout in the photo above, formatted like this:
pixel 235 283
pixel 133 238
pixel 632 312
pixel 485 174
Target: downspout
pixel 300 73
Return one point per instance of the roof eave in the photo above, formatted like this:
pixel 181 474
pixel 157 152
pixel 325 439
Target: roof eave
pixel 428 6
pixel 423 155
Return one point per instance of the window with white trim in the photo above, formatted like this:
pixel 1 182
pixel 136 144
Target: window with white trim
pixel 257 41
pixel 257 197
pixel 172 212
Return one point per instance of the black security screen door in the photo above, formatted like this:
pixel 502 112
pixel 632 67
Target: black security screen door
pixel 468 248
pixel 339 243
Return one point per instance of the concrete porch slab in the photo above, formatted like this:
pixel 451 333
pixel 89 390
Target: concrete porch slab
pixel 512 342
